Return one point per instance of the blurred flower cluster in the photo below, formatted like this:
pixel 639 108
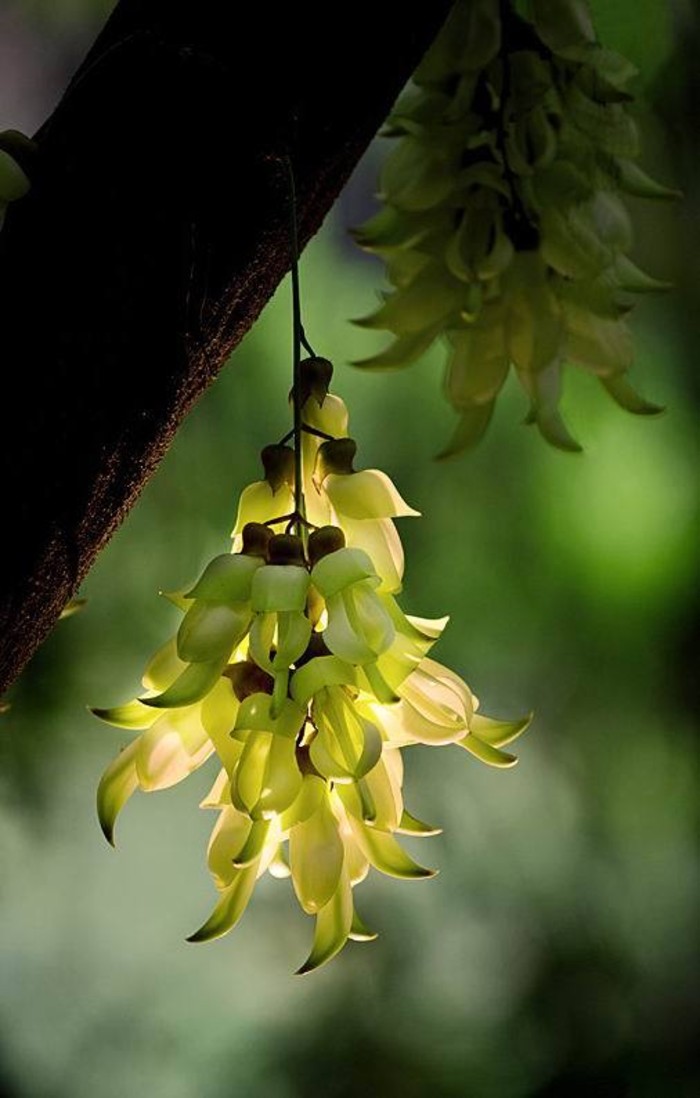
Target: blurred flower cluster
pixel 503 226
pixel 296 667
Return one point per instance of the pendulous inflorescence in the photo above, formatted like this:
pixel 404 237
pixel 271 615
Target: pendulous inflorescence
pixel 503 226
pixel 296 668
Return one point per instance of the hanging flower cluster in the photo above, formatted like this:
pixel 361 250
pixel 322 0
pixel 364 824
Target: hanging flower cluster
pixel 503 226
pixel 296 667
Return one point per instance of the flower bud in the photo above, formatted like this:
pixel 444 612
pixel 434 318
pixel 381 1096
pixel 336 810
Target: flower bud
pixel 278 463
pixel 286 549
pixel 316 374
pixel 256 539
pixel 324 541
pixel 335 456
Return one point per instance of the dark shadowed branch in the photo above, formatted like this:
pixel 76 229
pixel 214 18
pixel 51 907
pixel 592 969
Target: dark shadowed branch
pixel 155 231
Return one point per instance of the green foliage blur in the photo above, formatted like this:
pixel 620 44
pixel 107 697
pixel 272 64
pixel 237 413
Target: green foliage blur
pixel 554 954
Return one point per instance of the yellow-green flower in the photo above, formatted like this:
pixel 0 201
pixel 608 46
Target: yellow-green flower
pixel 295 666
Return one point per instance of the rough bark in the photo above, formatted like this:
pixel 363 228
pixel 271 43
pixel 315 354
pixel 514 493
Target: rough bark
pixel 155 231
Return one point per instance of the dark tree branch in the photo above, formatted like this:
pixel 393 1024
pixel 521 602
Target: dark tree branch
pixel 155 231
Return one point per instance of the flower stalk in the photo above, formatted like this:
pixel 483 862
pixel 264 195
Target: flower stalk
pixel 297 337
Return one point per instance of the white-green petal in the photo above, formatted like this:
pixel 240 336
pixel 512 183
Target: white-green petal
pixel 227 578
pixel 403 656
pixel 177 598
pixel 366 607
pixel 267 779
pixel 331 417
pixel 230 907
pixel 254 847
pixel 258 503
pixel 380 540
pixel 373 682
pixel 341 635
pixel 356 865
pixel 436 699
pixel 228 838
pixel 409 825
pixel 117 784
pixel 385 854
pixel 333 925
pixel 359 932
pixel 316 854
pixel 262 636
pixel 293 635
pixel 368 494
pixel 219 796
pixel 347 745
pixel 255 713
pixel 375 798
pixel 483 751
pixel 279 864
pixel 171 749
pixel 428 627
pixel 420 729
pixel 191 686
pixel 319 672
pixel 219 711
pixel 359 628
pixel 210 630
pixel 498 733
pixel 313 790
pixel 438 705
pixel 284 779
pixel 163 667
pixel 279 587
pixel 341 569
pixel 133 715
pixel 248 778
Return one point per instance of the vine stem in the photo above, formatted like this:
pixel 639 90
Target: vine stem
pixel 298 340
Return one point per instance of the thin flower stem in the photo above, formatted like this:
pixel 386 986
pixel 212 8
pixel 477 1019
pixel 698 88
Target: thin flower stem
pixel 307 429
pixel 305 343
pixel 297 338
pixel 317 434
pixel 293 518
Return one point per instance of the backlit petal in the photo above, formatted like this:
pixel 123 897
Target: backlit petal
pixel 369 494
pixel 229 908
pixel 333 925
pixel 117 784
pixel 316 856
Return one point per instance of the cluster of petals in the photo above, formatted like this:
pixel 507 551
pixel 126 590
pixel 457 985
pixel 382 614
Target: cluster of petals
pixel 296 667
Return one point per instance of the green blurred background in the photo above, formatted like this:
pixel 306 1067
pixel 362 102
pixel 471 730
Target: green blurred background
pixel 556 952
